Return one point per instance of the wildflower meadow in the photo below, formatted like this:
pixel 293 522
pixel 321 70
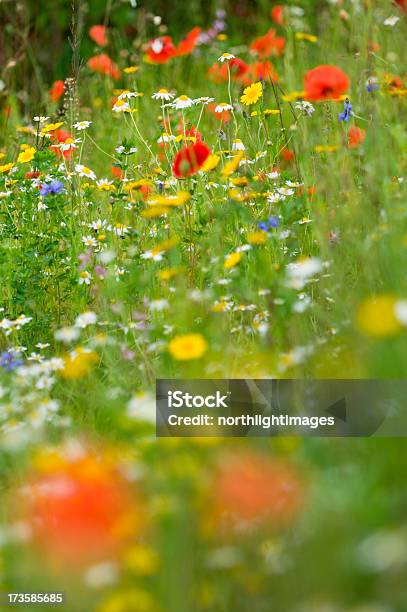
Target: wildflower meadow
pixel 202 190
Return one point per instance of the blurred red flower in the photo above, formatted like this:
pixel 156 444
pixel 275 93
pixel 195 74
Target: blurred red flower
pixel 263 70
pixel 325 82
pixel 103 64
pixel 287 154
pixel 356 136
pixel 98 33
pixel 190 158
pixel 251 489
pixel 57 90
pixel 238 71
pixel 402 4
pixel 277 14
pixel 161 50
pixel 267 45
pixel 188 44
pixel 81 509
pixel 58 137
pixel 117 173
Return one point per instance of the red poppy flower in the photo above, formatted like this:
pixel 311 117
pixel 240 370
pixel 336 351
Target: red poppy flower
pixel 188 44
pixel 60 136
pixel 267 45
pixel 287 154
pixel 277 14
pixel 238 68
pixel 402 4
pixel 217 74
pixel 190 158
pixel 98 33
pixel 117 173
pixel 325 82
pixel 57 90
pixel 238 71
pixel 104 65
pixel 253 490
pixel 80 510
pixel 263 70
pixel 161 50
pixel 356 136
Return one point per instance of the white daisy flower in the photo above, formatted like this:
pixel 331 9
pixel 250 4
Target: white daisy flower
pixel 82 125
pixel 163 94
pixel 226 57
pixel 85 278
pixel 85 171
pixel 203 100
pixel 120 106
pixel 222 107
pixel 182 102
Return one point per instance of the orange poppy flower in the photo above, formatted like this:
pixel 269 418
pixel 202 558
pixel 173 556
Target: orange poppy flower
pixel 104 65
pixel 250 489
pixel 188 44
pixel 356 136
pixel 277 14
pixel 57 90
pixel 80 509
pixel 268 45
pixel 325 82
pixel 98 33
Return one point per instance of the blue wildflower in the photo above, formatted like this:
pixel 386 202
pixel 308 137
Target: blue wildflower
pixel 54 188
pixel 10 361
pixel 347 111
pixel 372 85
pixel 272 222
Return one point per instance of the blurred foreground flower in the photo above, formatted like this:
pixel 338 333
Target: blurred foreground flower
pixel 378 316
pixel 79 506
pixel 190 159
pixel 253 490
pixel 189 346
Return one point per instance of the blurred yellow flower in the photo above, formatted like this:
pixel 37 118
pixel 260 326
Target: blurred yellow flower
pixel 141 560
pixel 259 237
pixel 231 166
pixel 232 260
pixel 210 163
pixel 376 316
pixel 78 363
pixel 26 155
pixel 188 346
pixel 129 600
pixel 130 69
pixel 51 127
pixel 308 37
pixel 6 168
